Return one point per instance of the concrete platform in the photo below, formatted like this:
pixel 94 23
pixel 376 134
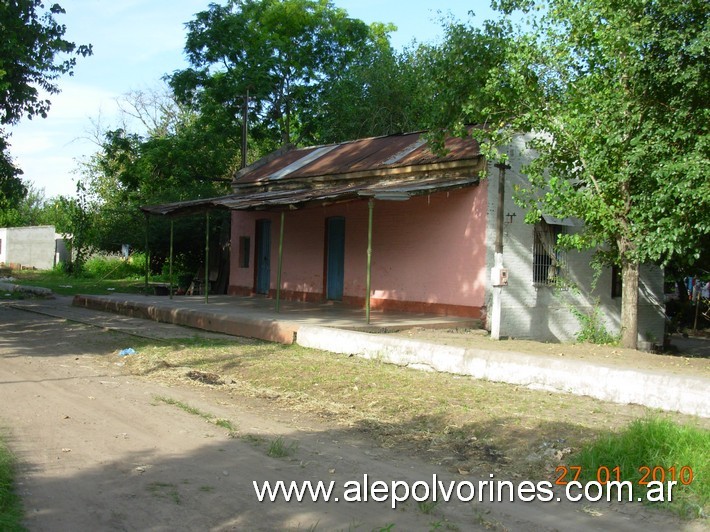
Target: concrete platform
pixel 256 317
pixel 340 329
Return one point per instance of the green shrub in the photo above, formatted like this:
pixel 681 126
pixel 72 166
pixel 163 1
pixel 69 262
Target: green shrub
pixel 592 328
pixel 114 267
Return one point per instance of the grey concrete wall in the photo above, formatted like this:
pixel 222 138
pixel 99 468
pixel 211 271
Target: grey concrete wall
pixel 544 312
pixel 29 246
pixel 3 246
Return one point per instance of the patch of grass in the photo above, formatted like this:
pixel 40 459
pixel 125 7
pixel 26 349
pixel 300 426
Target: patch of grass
pixel 453 420
pixel 278 448
pixel 656 449
pixel 115 267
pixel 220 422
pixel 165 490
pixel 11 513
pixel 253 439
pixel 427 507
pixel 67 285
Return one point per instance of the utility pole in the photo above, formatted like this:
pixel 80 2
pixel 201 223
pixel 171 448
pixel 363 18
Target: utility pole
pixel 499 275
pixel 245 129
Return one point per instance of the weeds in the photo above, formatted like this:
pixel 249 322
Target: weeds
pixel 655 449
pixel 220 422
pixel 11 513
pixel 592 326
pixel 278 448
pixel 427 507
pixel 165 490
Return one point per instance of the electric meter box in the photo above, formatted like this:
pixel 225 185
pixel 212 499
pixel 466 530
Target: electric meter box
pixel 499 276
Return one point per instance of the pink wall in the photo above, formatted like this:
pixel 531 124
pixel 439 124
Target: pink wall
pixel 429 249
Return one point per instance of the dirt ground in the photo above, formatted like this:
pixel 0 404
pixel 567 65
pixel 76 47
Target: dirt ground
pixel 101 450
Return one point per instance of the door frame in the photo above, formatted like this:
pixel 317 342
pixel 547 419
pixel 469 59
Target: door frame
pixel 262 230
pixel 327 271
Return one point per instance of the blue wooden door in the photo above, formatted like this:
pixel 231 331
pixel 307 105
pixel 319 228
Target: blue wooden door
pixel 263 256
pixel 335 261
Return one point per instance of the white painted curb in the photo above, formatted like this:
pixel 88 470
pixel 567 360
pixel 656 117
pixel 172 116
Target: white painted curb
pixel 618 385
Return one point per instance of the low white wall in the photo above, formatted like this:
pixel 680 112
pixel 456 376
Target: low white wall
pixel 618 385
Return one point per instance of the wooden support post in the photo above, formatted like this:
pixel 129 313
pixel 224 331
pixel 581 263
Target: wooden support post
pixel 281 260
pixel 147 253
pixel 370 206
pixel 170 273
pixel 207 257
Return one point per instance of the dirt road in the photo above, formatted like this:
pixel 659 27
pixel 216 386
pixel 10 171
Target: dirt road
pixel 99 450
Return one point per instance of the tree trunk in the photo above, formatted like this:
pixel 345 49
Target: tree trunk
pixel 629 304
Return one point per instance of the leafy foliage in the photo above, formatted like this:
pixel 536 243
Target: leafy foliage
pixel 280 51
pixel 30 50
pixel 617 92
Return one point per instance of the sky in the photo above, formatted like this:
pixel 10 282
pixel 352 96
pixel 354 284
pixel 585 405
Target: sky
pixel 135 43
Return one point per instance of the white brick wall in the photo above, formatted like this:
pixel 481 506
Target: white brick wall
pixel 543 312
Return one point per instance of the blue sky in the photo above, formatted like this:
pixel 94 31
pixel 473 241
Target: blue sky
pixel 135 43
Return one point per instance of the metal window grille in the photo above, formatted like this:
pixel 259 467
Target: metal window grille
pixel 547 259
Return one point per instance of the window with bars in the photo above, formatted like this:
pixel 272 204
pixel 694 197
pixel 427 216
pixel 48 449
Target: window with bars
pixel 547 259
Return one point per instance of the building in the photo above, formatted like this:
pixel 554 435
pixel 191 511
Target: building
pixel 29 247
pixel 387 224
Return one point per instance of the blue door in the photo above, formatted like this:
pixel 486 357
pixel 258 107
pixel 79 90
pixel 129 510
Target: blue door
pixel 335 257
pixel 263 256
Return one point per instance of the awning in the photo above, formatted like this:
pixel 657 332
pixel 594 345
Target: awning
pixel 568 222
pixel 278 200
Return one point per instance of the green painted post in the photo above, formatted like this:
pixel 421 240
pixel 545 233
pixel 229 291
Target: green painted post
pixel 172 232
pixel 371 206
pixel 281 260
pixel 207 257
pixel 147 253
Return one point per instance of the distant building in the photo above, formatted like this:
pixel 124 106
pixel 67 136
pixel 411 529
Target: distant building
pixel 37 247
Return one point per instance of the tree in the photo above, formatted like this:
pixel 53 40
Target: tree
pixel 179 155
pixel 30 50
pixel 32 209
pixel 621 92
pixel 279 51
pixel 380 92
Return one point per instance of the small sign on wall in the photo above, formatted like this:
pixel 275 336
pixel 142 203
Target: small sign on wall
pixel 499 276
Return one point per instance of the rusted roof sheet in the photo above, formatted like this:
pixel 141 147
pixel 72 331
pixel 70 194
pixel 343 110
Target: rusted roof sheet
pixel 375 153
pixel 277 200
pixel 297 198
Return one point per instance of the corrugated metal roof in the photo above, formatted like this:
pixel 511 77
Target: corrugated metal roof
pixel 375 153
pixel 392 167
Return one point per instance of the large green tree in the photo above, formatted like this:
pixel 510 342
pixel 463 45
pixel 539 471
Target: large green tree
pixel 33 55
pixel 619 91
pixel 279 51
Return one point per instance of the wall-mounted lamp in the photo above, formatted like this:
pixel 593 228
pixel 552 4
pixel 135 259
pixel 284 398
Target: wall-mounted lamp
pixel 510 217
